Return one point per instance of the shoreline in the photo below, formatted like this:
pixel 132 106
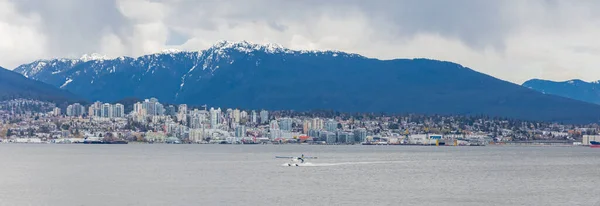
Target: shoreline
pixel 372 145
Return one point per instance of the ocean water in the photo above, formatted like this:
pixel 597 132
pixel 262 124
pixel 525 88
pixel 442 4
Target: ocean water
pixel 342 175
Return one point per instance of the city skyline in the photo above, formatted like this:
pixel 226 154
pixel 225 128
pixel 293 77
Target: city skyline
pixel 212 125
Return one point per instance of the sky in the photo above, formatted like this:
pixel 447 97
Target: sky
pixel 514 40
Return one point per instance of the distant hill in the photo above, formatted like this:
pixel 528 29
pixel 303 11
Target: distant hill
pixel 574 89
pixel 254 76
pixel 14 85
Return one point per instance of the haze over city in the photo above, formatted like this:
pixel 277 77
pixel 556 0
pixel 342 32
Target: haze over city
pixel 511 40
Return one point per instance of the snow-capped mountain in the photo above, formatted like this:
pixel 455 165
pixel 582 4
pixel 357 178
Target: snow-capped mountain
pixel 147 74
pixel 269 76
pixel 574 89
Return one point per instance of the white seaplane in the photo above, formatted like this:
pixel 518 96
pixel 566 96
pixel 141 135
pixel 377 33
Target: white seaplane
pixel 296 161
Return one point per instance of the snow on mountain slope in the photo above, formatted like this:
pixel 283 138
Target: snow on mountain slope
pixel 185 66
pixel 269 76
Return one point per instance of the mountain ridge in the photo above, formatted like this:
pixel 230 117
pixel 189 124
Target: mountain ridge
pixel 14 85
pixel 574 89
pixel 242 74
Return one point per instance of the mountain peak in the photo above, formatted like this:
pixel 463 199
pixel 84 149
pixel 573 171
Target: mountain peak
pixel 170 51
pixel 93 56
pixel 246 46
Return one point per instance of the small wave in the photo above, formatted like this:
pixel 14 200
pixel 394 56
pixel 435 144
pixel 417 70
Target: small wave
pixel 309 164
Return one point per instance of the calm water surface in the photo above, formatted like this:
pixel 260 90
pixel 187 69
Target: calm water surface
pixel 343 175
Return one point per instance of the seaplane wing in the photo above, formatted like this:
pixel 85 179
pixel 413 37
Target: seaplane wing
pixel 288 157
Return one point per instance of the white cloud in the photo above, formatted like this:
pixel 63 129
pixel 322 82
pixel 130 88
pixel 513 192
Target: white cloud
pixel 513 40
pixel 113 45
pixel 20 40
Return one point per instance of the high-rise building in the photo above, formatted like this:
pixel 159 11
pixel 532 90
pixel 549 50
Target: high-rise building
pixel 240 131
pixel 306 126
pixel 264 117
pixel 273 125
pixel 275 133
pixel 159 109
pixel 75 110
pixel 153 107
pixel 119 110
pixel 331 125
pixel 170 111
pixel 236 116
pixel 196 135
pixel 317 123
pixel 330 137
pixel 107 111
pixel 56 111
pixel 182 113
pixel 95 109
pixel 195 121
pixel 243 116
pixel 229 114
pixel 285 124
pixel 149 106
pixel 182 109
pixel 314 133
pixel 215 116
pixel 138 109
pixel 345 137
pixel 350 138
pixel 253 117
pixel 360 135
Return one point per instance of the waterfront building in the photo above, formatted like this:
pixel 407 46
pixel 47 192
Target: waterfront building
pixel 330 138
pixel 196 135
pixel 314 133
pixel 360 135
pixel 345 137
pixel 240 131
pixel 341 137
pixel 274 133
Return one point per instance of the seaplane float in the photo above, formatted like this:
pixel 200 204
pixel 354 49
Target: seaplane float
pixel 296 161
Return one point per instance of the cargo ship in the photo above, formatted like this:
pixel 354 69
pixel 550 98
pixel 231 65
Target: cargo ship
pixel 594 144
